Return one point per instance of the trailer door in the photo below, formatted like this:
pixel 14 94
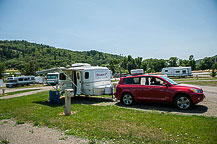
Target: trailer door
pixel 78 75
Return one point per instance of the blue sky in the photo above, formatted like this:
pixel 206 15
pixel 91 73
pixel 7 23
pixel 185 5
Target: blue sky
pixel 145 28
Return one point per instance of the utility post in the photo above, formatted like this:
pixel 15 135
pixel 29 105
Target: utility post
pixel 34 68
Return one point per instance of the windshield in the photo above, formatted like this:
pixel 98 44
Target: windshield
pixel 169 80
pixel 52 77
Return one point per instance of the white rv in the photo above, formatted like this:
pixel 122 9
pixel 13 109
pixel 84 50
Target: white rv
pixel 19 81
pixel 52 78
pixel 177 71
pixel 85 79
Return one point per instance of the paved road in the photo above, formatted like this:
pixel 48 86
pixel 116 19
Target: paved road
pixel 211 93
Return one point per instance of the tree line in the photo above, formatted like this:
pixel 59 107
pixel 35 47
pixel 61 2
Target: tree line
pixel 30 57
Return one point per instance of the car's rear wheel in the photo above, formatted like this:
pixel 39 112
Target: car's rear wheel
pixel 127 99
pixel 182 102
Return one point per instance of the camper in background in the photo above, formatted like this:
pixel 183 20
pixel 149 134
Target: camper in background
pixel 19 81
pixel 177 71
pixel 53 78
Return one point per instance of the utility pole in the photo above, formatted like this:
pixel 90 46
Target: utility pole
pixel 34 68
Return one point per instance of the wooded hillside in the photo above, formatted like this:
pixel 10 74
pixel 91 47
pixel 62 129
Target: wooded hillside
pixel 30 57
pixel 16 54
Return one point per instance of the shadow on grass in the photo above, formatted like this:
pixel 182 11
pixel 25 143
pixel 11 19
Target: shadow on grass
pixel 167 108
pixel 77 100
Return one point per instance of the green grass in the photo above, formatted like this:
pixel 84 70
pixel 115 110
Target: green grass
pixel 4 141
pixel 203 83
pixel 18 92
pixel 111 123
pixel 114 80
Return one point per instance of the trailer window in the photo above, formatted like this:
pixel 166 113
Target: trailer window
pixel 86 75
pixel 20 79
pixel 52 77
pixel 184 71
pixel 166 70
pixel 177 71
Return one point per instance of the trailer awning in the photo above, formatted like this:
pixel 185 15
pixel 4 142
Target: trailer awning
pixel 50 70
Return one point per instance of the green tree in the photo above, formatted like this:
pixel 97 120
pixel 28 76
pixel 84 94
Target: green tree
pixel 2 69
pixel 130 63
pixel 31 68
pixel 192 62
pixel 206 63
pixel 138 62
pixel 213 73
pixel 173 61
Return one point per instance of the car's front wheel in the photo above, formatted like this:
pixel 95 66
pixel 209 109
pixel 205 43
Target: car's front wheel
pixel 182 102
pixel 127 99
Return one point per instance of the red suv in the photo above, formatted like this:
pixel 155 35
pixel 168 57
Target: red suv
pixel 154 88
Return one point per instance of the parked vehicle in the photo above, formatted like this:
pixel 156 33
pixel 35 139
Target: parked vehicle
pixel 177 71
pixel 53 78
pixel 87 80
pixel 154 88
pixel 19 81
pixel 84 79
pixel 39 80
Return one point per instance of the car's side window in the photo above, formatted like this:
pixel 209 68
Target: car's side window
pixel 135 80
pixel 143 80
pixel 155 81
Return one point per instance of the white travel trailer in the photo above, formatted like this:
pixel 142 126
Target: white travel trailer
pixel 177 71
pixel 19 81
pixel 85 79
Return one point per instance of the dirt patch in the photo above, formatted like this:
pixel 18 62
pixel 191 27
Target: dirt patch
pixel 28 134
